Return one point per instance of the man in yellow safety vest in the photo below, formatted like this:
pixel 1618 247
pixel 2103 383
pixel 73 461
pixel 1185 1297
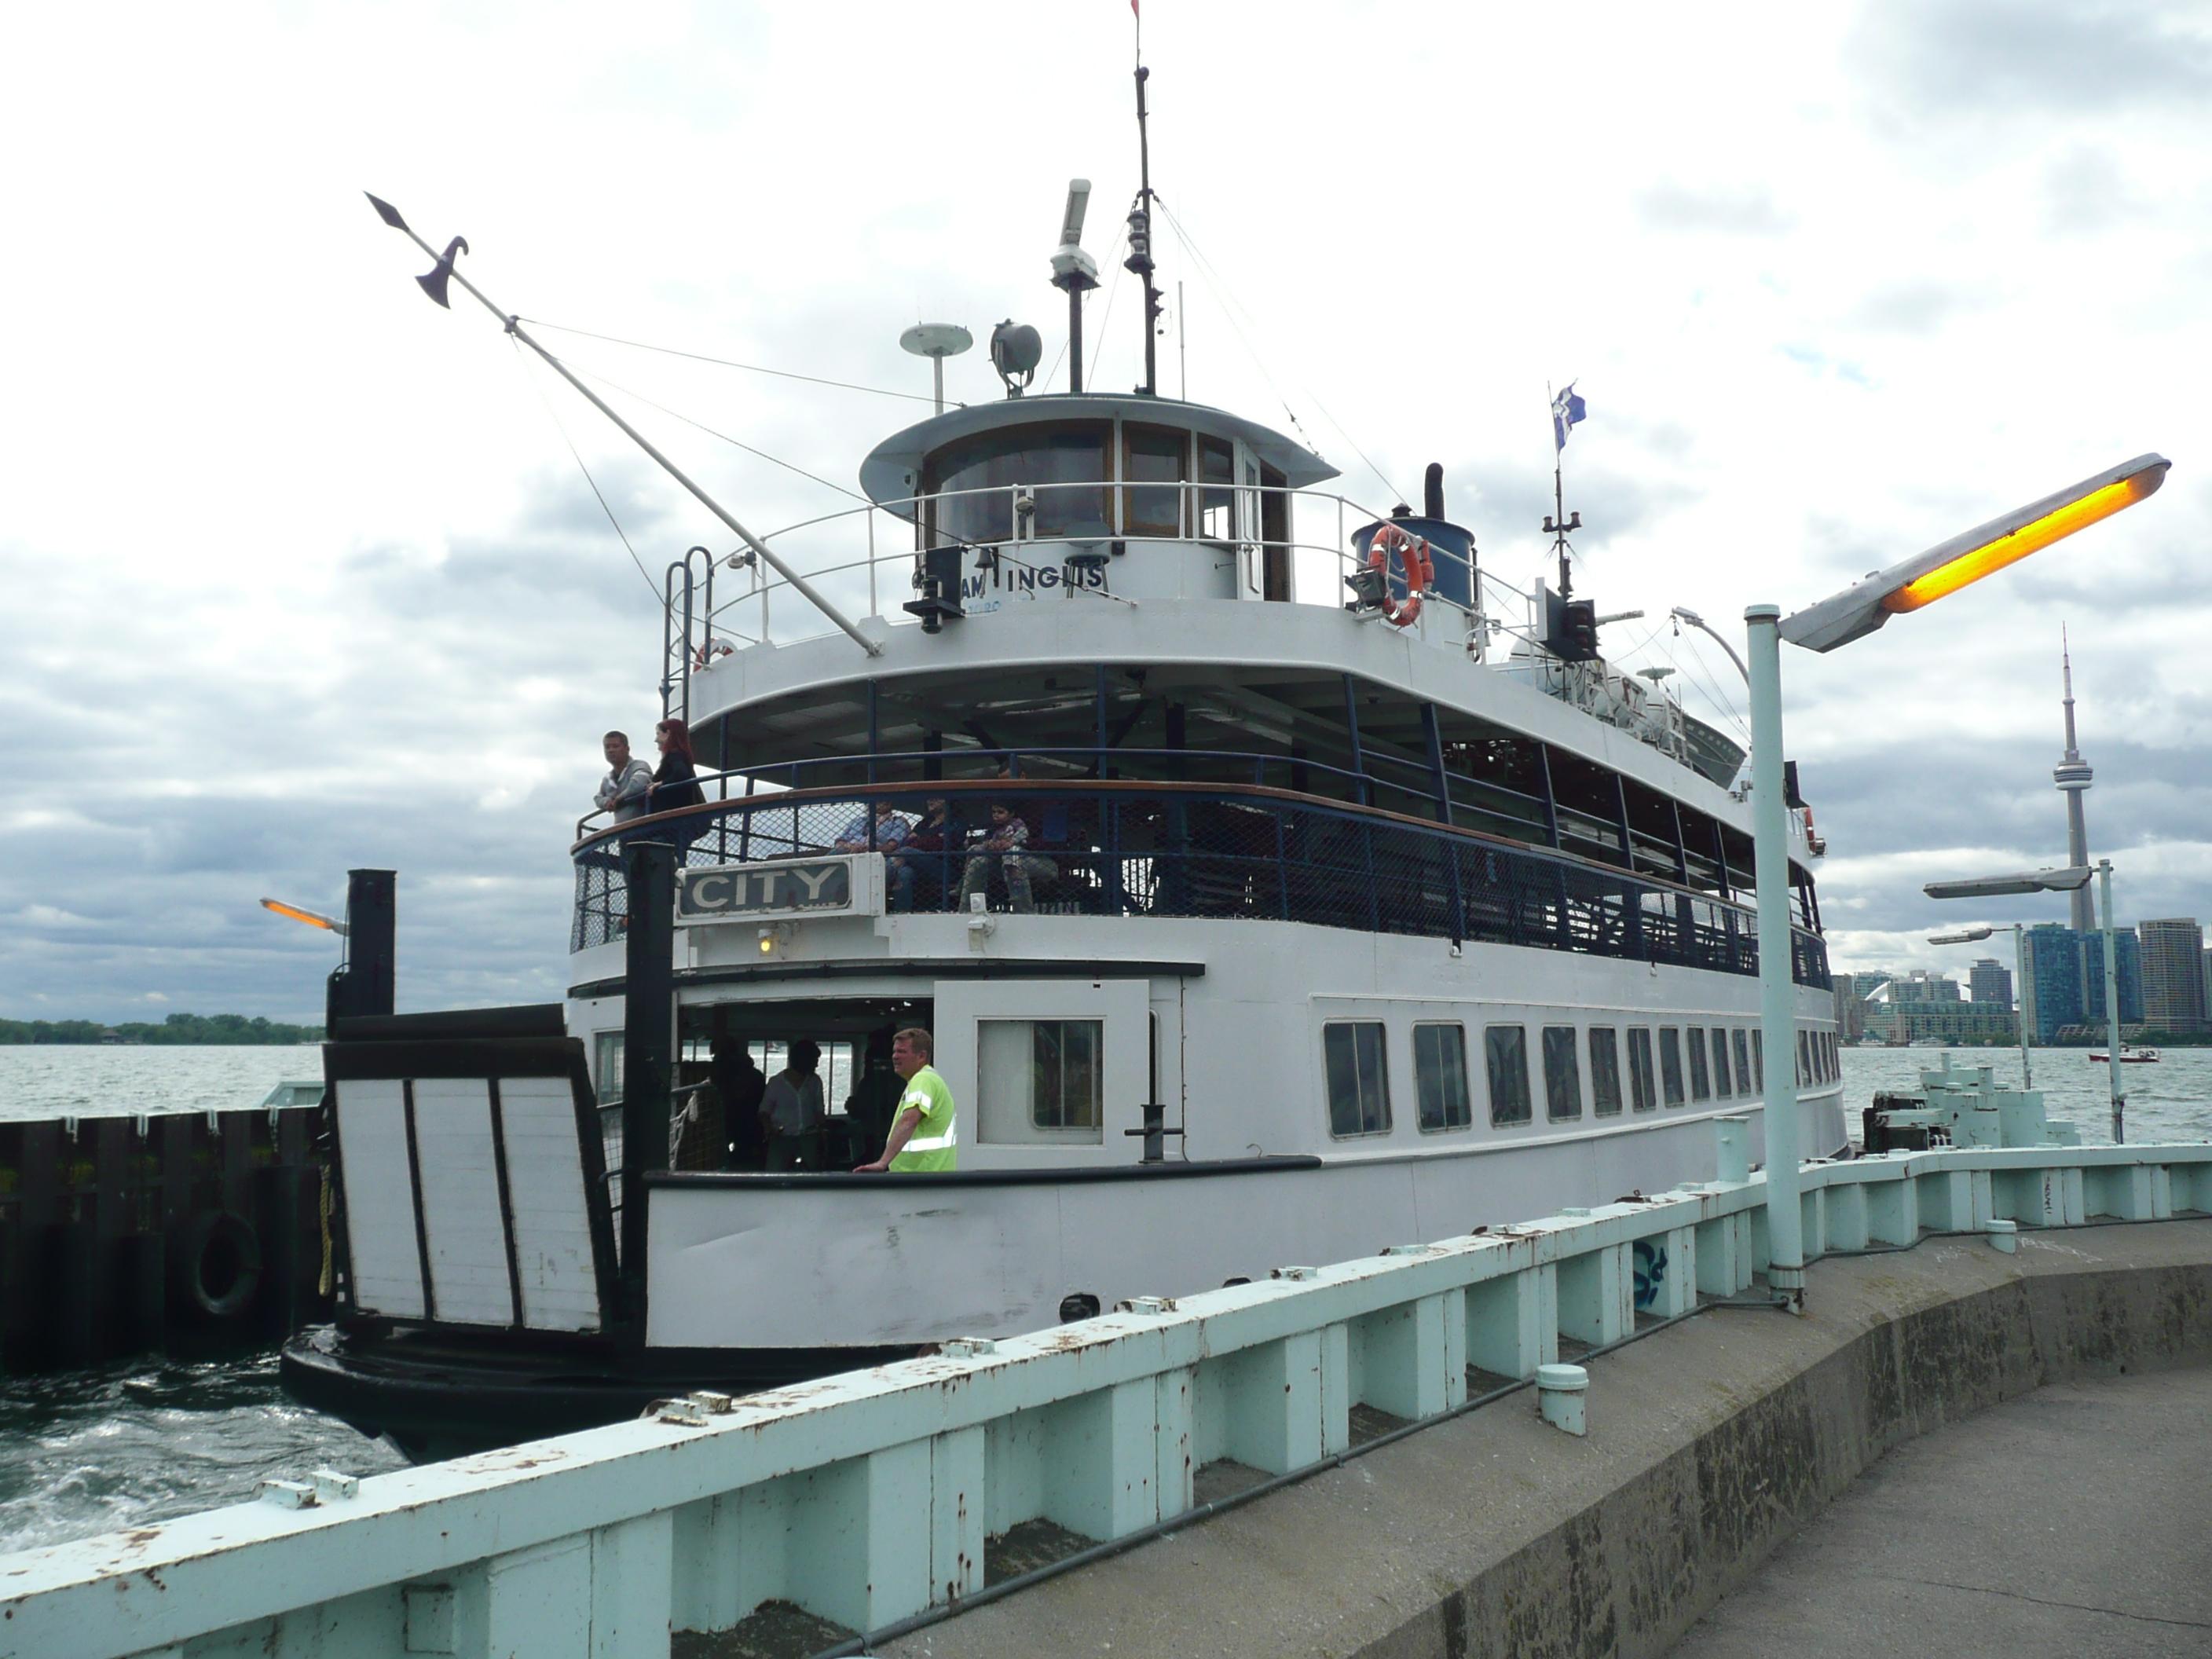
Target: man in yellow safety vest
pixel 925 1137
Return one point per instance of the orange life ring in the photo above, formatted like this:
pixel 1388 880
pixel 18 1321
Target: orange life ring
pixel 1420 567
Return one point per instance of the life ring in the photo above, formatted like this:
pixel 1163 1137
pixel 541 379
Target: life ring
pixel 216 1271
pixel 1420 571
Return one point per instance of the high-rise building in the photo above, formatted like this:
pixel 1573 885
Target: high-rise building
pixel 2054 970
pixel 2127 956
pixel 1991 983
pixel 1867 981
pixel 2173 974
pixel 2072 777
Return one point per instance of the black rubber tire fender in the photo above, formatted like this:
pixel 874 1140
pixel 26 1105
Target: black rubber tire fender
pixel 218 1266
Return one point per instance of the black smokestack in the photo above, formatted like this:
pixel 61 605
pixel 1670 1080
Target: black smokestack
pixel 1433 491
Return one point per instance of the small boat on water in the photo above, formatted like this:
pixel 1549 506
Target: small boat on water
pixel 2130 1055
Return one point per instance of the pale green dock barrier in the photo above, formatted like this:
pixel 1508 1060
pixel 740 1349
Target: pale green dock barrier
pixel 868 1499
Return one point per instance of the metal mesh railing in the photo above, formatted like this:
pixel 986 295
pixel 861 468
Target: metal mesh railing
pixel 1150 850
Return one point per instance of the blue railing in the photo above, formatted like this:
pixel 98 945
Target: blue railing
pixel 1148 849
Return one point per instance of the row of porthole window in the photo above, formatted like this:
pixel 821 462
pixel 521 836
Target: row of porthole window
pixel 1695 1064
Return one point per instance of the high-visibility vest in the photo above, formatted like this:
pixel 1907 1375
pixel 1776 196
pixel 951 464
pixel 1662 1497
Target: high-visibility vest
pixel 934 1147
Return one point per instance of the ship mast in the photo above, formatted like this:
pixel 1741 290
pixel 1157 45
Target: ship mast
pixel 1139 261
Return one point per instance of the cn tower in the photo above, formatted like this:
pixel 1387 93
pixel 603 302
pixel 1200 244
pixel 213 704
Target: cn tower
pixel 2072 776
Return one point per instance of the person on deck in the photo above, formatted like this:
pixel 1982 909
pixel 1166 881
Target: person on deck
pixel 892 827
pixel 908 863
pixel 1002 847
pixel 676 782
pixel 629 781
pixel 925 1137
pixel 792 1105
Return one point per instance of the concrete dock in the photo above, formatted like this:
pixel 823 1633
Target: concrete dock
pixel 2077 1520
pixel 1713 1445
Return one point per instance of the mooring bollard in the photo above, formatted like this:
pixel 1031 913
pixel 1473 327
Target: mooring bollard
pixel 2004 1236
pixel 1732 1147
pixel 1562 1394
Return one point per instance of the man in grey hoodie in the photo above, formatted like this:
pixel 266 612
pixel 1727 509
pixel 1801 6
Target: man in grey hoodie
pixel 628 781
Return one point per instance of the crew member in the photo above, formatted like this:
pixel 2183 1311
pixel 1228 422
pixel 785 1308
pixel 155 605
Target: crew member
pixel 925 1137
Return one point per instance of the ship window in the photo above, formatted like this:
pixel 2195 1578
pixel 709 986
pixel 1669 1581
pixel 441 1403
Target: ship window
pixel 1605 1071
pixel 1670 1063
pixel 1440 1077
pixel 1742 1062
pixel 1804 1057
pixel 1358 1081
pixel 1040 1079
pixel 1723 1085
pixel 1505 1052
pixel 1759 1060
pixel 1639 1068
pixel 607 1066
pixel 1063 465
pixel 1217 496
pixel 1155 463
pixel 1701 1080
pixel 1563 1074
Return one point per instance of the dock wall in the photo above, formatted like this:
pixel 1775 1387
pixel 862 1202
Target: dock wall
pixel 193 1232
pixel 1710 1443
pixel 869 1501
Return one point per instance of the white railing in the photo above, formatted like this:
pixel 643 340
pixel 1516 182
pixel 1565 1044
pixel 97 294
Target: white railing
pixel 868 1499
pixel 764 610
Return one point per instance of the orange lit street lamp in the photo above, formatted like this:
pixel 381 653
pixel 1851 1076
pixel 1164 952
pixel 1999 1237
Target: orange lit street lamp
pixel 1837 620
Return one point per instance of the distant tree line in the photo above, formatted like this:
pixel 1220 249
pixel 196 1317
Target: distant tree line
pixel 177 1029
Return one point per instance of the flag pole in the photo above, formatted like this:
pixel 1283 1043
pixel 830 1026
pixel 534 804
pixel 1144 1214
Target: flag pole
pixel 433 285
pixel 1559 524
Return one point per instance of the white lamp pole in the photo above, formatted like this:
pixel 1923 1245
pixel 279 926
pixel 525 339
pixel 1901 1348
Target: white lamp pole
pixel 1777 988
pixel 2112 1002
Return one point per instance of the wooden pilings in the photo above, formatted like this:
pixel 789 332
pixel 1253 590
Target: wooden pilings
pixel 190 1232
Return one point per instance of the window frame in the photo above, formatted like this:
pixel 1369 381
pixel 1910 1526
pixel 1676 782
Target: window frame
pixel 1490 1073
pixel 1671 1091
pixel 1420 1081
pixel 1357 1024
pixel 1701 1076
pixel 1611 1051
pixel 1643 1078
pixel 1744 1084
pixel 1571 1050
pixel 1723 1078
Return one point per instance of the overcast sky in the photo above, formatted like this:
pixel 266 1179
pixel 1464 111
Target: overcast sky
pixel 299 574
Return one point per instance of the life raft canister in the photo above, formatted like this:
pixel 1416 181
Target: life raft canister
pixel 1414 558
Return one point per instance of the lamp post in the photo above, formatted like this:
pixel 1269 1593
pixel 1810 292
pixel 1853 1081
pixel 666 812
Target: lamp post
pixel 2019 932
pixel 2067 880
pixel 1853 614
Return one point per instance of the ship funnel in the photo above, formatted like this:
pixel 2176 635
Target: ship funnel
pixel 1433 491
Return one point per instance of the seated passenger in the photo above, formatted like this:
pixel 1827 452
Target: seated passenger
pixel 892 827
pixel 909 865
pixel 1001 848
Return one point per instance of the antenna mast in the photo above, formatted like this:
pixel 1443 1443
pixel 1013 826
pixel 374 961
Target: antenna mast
pixel 1566 410
pixel 1140 224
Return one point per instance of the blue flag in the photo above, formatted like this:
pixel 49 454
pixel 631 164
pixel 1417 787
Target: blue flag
pixel 1566 411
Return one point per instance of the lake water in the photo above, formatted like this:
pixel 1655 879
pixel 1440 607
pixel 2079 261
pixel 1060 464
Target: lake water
pixel 149 1439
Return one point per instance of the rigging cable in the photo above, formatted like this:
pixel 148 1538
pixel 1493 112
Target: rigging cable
pixel 1231 304
pixel 660 599
pixel 726 362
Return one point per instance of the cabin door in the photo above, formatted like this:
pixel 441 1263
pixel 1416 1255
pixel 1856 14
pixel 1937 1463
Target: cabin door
pixel 1249 557
pixel 1046 1071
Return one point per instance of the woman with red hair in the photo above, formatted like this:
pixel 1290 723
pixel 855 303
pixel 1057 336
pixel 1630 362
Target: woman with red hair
pixel 675 781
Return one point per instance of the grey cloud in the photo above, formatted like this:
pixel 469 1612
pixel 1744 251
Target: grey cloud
pixel 1943 59
pixel 1733 210
pixel 1914 307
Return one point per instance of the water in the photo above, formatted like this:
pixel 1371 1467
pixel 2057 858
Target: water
pixel 147 1440
pixel 65 1082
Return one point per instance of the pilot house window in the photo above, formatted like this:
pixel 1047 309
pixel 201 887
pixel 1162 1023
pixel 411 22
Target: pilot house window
pixel 1155 464
pixel 1359 1082
pixel 971 485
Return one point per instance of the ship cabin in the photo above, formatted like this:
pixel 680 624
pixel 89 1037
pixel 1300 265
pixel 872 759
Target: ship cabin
pixel 1144 789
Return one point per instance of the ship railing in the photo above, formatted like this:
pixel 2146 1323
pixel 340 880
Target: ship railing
pixel 873 1500
pixel 1149 848
pixel 884 572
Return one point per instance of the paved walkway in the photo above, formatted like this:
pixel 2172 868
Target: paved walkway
pixel 2077 1520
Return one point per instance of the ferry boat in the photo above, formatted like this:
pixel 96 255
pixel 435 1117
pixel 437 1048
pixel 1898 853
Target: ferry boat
pixel 1362 900
pixel 2130 1055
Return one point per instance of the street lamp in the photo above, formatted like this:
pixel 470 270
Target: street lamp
pixel 1856 612
pixel 2068 879
pixel 2019 932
